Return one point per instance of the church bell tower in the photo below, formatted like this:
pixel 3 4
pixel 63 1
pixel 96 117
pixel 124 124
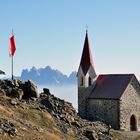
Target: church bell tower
pixel 86 76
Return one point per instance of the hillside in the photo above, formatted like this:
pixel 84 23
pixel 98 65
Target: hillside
pixel 48 76
pixel 28 115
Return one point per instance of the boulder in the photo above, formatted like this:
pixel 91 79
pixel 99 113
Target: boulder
pixel 20 84
pixel 19 89
pixel 30 90
pixel 2 92
pixel 10 83
pixel 17 93
pixel 8 91
pixel 91 134
pixel 46 91
pixel 16 83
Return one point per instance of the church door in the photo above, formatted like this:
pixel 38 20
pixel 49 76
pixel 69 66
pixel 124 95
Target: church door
pixel 133 123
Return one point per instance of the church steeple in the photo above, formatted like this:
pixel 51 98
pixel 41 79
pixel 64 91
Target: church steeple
pixel 86 59
pixel 86 72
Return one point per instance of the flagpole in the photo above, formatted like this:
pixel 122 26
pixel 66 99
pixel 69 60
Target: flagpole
pixel 12 54
pixel 12 69
pixel 12 59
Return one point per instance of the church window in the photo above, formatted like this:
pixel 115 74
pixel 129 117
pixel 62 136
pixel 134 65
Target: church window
pixel 82 81
pixel 89 81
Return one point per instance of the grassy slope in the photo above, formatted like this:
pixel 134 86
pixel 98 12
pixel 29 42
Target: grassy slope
pixel 33 124
pixel 30 122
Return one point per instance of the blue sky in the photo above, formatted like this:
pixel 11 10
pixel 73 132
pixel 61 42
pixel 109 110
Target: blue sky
pixel 52 32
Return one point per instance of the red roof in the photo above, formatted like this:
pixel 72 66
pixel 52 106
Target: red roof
pixel 111 86
pixel 86 59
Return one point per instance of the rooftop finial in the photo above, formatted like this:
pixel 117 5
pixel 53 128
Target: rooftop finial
pixel 12 31
pixel 86 28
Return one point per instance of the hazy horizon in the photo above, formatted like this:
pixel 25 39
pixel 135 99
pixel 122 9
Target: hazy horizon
pixel 68 93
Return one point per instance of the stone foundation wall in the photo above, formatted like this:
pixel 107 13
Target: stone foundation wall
pixel 130 105
pixel 104 110
pixel 83 94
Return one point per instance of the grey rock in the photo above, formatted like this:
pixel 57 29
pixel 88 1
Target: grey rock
pixel 91 135
pixel 10 83
pixel 8 91
pixel 7 127
pixel 13 102
pixel 2 92
pixel 30 90
pixel 76 124
pixel 17 93
pixel 2 72
pixel 46 91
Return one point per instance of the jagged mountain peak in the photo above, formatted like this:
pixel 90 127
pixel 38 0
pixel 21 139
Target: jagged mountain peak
pixel 48 75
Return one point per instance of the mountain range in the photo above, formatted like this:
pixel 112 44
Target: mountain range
pixel 48 76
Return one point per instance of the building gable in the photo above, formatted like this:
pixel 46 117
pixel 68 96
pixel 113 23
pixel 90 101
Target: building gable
pixel 130 105
pixel 133 85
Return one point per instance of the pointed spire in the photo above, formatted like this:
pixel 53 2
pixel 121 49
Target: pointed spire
pixel 86 59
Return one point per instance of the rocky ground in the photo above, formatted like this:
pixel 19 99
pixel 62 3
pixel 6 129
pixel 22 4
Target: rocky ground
pixel 26 114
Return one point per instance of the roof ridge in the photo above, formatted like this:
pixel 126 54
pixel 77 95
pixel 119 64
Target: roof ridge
pixel 119 74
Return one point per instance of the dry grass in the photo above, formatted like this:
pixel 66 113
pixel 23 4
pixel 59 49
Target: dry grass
pixel 19 116
pixel 41 135
pixel 117 134
pixel 4 110
pixel 2 137
pixel 36 117
pixel 33 136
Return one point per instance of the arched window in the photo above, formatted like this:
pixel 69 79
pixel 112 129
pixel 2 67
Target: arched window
pixel 133 123
pixel 82 81
pixel 89 81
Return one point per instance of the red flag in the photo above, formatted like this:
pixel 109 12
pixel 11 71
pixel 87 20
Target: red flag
pixel 12 45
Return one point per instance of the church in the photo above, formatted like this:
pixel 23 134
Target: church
pixel 110 98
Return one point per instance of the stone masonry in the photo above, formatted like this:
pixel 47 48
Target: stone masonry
pixel 104 110
pixel 116 113
pixel 82 100
pixel 130 105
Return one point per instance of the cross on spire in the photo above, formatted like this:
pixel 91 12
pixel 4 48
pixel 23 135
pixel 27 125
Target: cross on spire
pixel 86 28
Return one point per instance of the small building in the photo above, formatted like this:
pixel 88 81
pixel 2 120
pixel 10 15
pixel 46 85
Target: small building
pixel 111 98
